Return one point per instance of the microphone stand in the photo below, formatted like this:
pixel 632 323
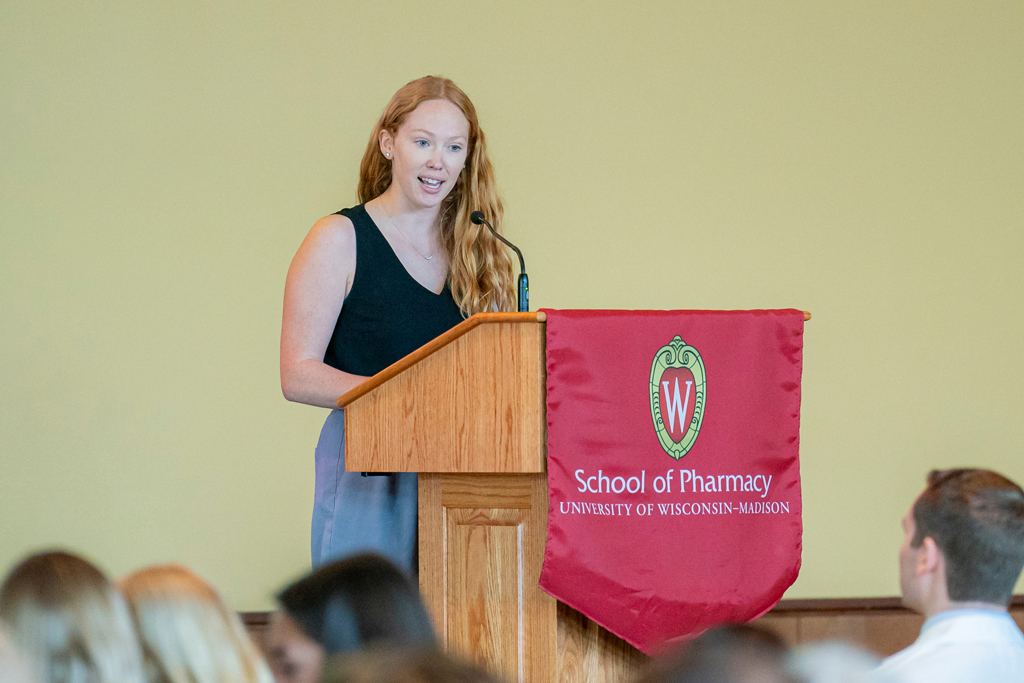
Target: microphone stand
pixel 523 295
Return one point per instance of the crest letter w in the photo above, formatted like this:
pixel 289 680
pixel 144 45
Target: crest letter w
pixel 674 405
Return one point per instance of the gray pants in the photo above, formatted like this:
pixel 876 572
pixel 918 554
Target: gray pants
pixel 353 513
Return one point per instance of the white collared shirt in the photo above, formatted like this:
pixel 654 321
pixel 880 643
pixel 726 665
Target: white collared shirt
pixel 962 646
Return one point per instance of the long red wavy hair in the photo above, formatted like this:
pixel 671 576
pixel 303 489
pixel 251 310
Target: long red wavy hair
pixel 480 272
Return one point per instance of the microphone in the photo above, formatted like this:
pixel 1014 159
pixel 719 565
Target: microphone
pixel 524 282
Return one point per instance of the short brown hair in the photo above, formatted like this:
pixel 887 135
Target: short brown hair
pixel 976 517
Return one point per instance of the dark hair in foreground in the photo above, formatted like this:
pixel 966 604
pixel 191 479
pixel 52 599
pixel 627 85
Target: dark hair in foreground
pixel 726 654
pixel 388 665
pixel 359 601
pixel 976 517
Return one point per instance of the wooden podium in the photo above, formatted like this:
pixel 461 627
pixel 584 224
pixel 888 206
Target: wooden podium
pixel 467 412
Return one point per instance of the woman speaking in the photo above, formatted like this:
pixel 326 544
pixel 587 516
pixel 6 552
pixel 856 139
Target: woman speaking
pixel 373 283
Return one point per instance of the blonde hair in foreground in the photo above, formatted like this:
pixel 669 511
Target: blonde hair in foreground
pixel 13 668
pixel 69 622
pixel 480 271
pixel 189 634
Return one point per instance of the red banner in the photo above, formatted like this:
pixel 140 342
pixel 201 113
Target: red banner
pixel 673 467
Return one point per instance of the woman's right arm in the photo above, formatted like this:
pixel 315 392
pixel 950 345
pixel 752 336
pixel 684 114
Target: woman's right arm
pixel 318 282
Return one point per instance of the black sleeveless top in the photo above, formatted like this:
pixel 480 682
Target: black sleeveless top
pixel 387 313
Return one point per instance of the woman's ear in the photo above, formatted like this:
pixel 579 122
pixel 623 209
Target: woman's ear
pixel 387 144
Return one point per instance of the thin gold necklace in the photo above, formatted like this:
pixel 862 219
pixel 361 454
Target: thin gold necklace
pixel 404 236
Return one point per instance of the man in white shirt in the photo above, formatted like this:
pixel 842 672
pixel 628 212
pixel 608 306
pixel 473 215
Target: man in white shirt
pixel 962 552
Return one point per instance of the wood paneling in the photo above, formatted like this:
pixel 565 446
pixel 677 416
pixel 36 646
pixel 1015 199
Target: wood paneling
pixel 475 404
pixel 402 364
pixel 588 653
pixel 481 549
pixel 880 625
pixel 258 626
pixel 484 553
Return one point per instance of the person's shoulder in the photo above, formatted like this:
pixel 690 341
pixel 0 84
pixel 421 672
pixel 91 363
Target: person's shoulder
pixel 333 233
pixel 950 654
pixel 334 225
pixel 982 626
pixel 920 663
pixel 908 657
pixel 931 654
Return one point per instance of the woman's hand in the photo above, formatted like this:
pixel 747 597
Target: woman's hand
pixel 319 279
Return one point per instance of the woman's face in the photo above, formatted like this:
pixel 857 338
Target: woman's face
pixel 293 656
pixel 428 152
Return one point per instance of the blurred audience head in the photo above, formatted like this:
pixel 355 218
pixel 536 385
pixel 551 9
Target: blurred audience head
pixel 13 667
pixel 963 540
pixel 188 634
pixel 341 607
pixel 69 622
pixel 727 654
pixel 391 665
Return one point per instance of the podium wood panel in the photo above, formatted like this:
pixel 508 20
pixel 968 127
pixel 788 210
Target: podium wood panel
pixel 475 404
pixel 588 653
pixel 481 548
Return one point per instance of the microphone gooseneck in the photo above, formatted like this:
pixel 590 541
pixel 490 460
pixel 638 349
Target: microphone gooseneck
pixel 524 281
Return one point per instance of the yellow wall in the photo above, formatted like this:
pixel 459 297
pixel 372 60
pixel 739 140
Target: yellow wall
pixel 160 163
